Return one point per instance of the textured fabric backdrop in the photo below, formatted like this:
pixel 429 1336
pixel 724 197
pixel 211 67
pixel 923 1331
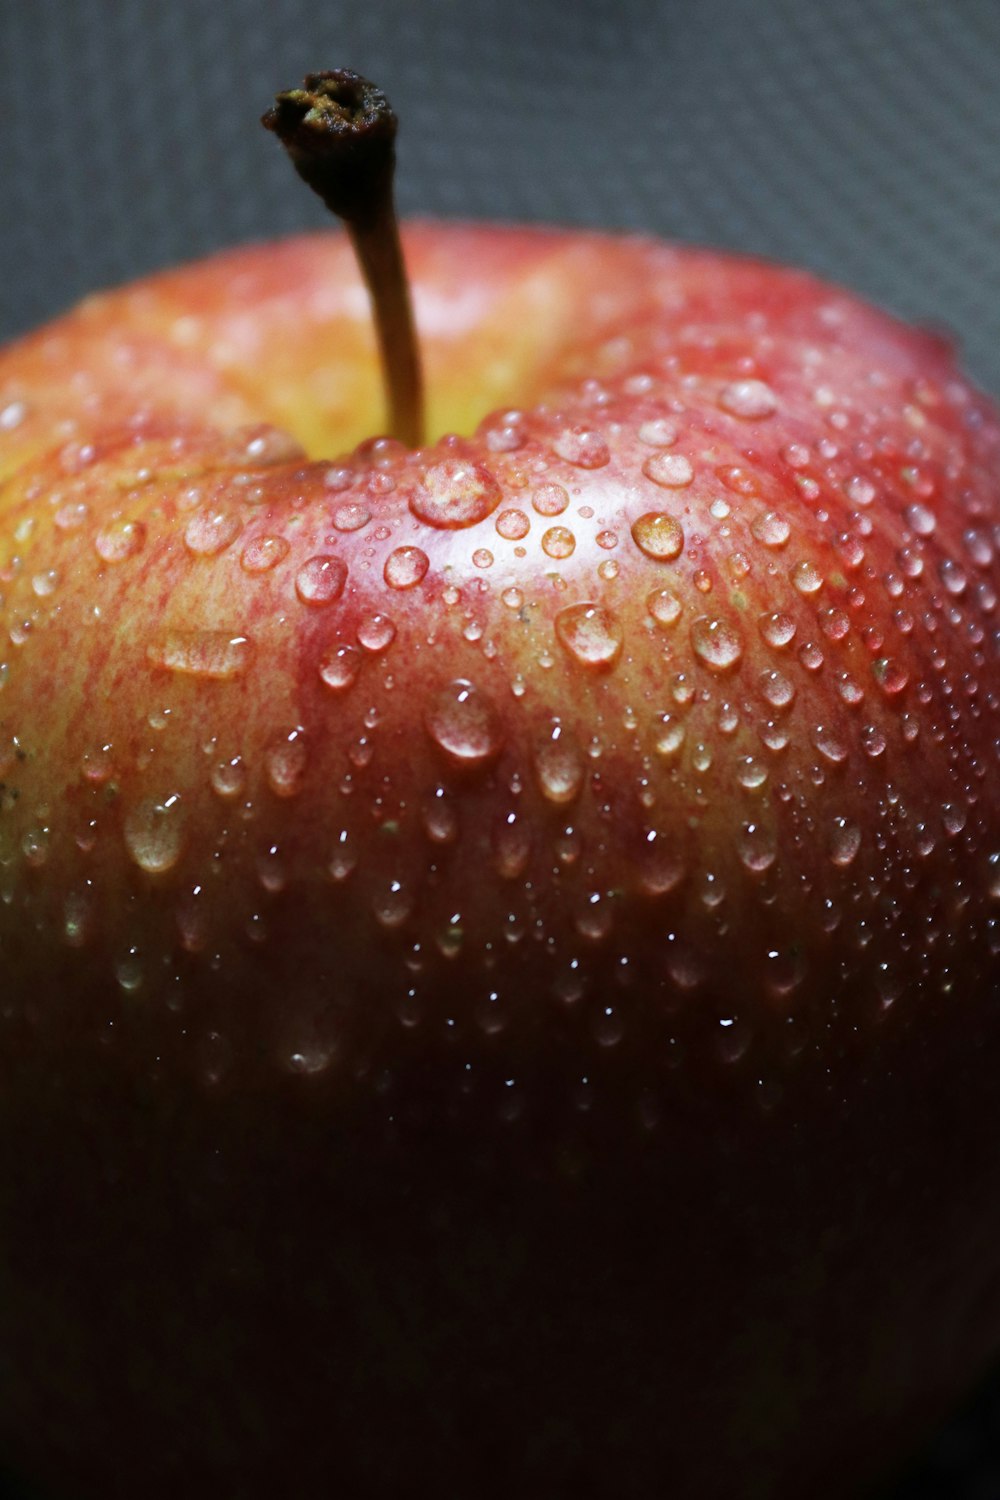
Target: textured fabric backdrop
pixel 860 138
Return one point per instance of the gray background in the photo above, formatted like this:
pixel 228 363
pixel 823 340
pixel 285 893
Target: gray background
pixel 856 137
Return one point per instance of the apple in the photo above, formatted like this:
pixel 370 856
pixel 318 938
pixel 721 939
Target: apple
pixel 498 933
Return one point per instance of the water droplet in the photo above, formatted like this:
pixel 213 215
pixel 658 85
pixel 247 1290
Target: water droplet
pixel 659 536
pixel 285 762
pixel 512 525
pixel 777 629
pixel 262 553
pixel 777 689
pixel 376 633
pixel 717 644
pixel 756 848
pixel 154 834
pixel 806 577
pixel 891 676
pixel 405 567
pixel 12 415
pixel 591 634
pixel 920 519
pixel 659 867
pixel 511 847
pixel 670 735
pixel 672 471
pixel 749 399
pixel 339 666
pixel 120 540
pixel 559 542
pixel 860 491
pixel 550 500
pixel 352 515
pixel 559 765
pixel 320 580
pixel 455 493
pixel 463 722
pixel 772 529
pixel 664 606
pixel 658 433
pixel 844 842
pixel 582 447
pixel 228 778
pixel 215 654
pixel 829 744
pixel 78 918
pixel 211 531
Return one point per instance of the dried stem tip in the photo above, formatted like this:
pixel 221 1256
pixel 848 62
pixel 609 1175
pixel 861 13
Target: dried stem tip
pixel 340 133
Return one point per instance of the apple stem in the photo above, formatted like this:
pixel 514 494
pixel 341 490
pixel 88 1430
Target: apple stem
pixel 340 133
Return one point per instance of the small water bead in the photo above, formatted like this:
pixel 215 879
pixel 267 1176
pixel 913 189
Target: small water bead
pixel 834 624
pixel 549 500
pixel 608 569
pixel 72 516
pixel 455 493
pixel 559 766
pixel 463 723
pixel 751 400
pixel 582 447
pixel 591 634
pixel 979 547
pixel 740 481
pixel 120 540
pixel 217 655
pixel 406 567
pixel 844 842
pixel 339 666
pixel 285 762
pixel 920 519
pixel 659 536
pixel 154 834
pixel 671 471
pixel 558 542
pixel 859 490
pixel 210 532
pixel 43 585
pixel 796 456
pixel 376 633
pixel 717 643
pixel 229 778
pixel 772 529
pixel 810 656
pixel 78 918
pixel 658 432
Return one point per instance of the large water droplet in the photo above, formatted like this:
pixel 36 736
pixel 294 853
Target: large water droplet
pixel 772 529
pixel 455 493
pixel 558 542
pixel 262 553
pixel 405 567
pixel 211 531
pixel 215 654
pixel 844 841
pixel 716 643
pixel 120 540
pixel 320 580
pixel 582 447
pixel 339 666
pixel 659 536
pixel 463 722
pixel 154 834
pixel 672 471
pixel 376 633
pixel 550 499
pixel 559 765
pixel 749 399
pixel 285 762
pixel 512 525
pixel 591 634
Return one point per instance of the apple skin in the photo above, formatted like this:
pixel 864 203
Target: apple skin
pixel 499 947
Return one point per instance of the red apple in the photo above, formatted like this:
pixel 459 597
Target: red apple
pixel 499 955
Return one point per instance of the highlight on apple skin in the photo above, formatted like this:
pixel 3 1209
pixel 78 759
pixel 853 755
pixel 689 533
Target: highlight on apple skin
pixel 498 938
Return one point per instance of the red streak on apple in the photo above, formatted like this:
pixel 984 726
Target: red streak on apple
pixel 626 758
